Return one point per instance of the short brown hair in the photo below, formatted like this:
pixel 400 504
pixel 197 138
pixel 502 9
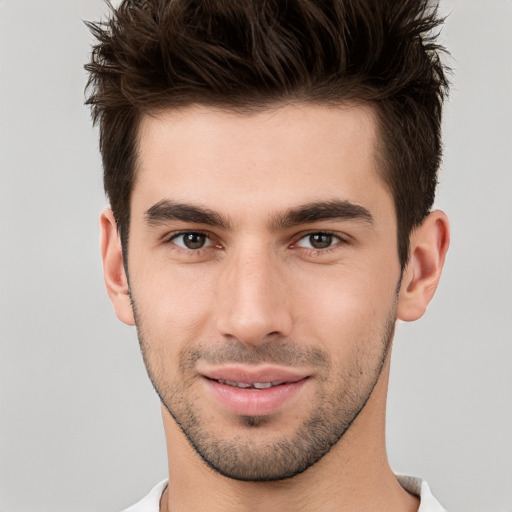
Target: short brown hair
pixel 249 54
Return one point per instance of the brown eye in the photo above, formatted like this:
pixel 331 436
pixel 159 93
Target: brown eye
pixel 320 240
pixel 191 240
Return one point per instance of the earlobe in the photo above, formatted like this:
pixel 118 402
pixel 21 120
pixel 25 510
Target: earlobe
pixel 114 273
pixel 428 247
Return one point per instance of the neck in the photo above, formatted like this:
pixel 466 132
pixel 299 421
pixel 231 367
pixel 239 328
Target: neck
pixel 354 475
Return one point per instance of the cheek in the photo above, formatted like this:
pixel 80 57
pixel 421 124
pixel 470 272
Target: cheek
pixel 346 308
pixel 173 305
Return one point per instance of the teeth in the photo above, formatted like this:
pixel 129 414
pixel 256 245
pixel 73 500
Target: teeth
pixel 235 384
pixel 262 385
pixel 247 385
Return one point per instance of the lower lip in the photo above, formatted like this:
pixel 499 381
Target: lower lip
pixel 254 402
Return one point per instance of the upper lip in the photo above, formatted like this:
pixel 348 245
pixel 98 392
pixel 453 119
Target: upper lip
pixel 260 374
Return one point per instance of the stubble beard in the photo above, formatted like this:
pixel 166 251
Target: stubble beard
pixel 240 457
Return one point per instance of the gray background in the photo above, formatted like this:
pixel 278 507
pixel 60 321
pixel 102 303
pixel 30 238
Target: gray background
pixel 79 424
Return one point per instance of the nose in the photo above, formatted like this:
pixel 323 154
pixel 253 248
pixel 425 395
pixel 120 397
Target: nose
pixel 252 299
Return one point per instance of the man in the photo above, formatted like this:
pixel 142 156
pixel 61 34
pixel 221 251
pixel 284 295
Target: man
pixel 271 168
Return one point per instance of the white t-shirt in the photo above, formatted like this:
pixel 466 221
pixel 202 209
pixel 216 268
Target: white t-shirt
pixel 412 484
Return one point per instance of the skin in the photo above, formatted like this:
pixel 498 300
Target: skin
pixel 259 293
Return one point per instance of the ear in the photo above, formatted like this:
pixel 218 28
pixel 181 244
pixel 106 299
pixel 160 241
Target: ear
pixel 428 246
pixel 114 273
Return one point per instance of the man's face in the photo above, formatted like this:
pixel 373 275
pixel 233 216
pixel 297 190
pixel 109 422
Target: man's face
pixel 263 272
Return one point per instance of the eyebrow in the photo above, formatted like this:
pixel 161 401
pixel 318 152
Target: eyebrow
pixel 167 211
pixel 324 210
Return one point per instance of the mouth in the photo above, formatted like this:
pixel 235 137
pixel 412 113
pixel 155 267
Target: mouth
pixel 254 392
pixel 250 385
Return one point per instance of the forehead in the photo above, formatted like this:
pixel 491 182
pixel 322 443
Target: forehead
pixel 273 158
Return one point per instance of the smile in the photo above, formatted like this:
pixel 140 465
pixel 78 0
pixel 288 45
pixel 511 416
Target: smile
pixel 250 385
pixel 254 397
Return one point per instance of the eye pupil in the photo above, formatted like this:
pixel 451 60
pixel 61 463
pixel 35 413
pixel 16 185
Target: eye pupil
pixel 194 240
pixel 320 240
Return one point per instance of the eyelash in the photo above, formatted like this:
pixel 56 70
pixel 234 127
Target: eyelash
pixel 171 240
pixel 339 240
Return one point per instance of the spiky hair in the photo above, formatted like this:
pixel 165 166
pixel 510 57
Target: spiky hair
pixel 249 54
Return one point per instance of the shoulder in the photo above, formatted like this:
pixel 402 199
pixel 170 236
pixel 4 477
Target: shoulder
pixel 420 488
pixel 150 502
